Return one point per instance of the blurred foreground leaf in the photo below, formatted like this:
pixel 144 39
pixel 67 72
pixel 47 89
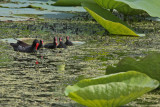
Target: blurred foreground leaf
pixel 111 90
pixel 149 65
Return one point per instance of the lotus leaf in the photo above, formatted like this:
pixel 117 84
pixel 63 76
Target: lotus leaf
pixel 149 65
pixel 102 15
pixel 118 5
pixel 111 90
pixel 150 6
pixel 110 22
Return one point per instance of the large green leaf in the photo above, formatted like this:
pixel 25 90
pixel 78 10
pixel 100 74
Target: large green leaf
pixel 120 6
pixel 152 7
pixel 69 2
pixel 132 6
pixel 110 22
pixel 149 65
pixel 111 90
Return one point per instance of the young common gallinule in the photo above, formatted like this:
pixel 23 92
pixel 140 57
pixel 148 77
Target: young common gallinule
pixel 68 42
pixel 52 45
pixel 61 44
pixel 27 49
pixel 40 44
pixel 23 44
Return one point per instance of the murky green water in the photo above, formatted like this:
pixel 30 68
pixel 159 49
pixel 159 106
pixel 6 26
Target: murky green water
pixel 25 83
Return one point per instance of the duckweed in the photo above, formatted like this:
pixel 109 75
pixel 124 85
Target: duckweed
pixel 25 82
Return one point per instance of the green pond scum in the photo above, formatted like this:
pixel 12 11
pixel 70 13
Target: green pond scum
pixel 25 83
pixel 5 59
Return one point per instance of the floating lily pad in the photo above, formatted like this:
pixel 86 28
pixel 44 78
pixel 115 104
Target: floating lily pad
pixel 69 2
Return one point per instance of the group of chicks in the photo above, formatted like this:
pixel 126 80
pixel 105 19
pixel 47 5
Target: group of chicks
pixel 36 45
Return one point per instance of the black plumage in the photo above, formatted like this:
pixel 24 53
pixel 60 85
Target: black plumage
pixel 23 44
pixel 68 42
pixel 61 44
pixel 52 45
pixel 27 49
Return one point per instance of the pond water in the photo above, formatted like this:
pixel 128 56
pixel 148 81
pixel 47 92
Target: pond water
pixel 9 40
pixel 23 82
pixel 41 84
pixel 9 10
pixel 39 79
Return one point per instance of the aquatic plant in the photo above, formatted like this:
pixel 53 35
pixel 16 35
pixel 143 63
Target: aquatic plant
pixel 69 2
pixel 34 7
pixel 99 9
pixel 149 65
pixel 5 0
pixel 111 90
pixel 109 21
pixel 5 58
pixel 3 6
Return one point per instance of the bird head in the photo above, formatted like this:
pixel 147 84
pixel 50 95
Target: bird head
pixel 67 38
pixel 37 44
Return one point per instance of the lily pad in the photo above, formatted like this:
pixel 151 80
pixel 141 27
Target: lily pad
pixel 69 2
pixel 111 90
pixel 149 65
